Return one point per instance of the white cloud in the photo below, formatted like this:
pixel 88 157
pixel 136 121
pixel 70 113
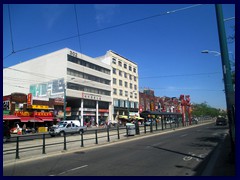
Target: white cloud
pixel 105 13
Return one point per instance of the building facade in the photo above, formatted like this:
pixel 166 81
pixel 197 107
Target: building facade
pixel 149 102
pixel 82 81
pixel 124 85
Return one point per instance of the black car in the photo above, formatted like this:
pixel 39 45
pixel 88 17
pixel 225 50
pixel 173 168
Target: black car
pixel 6 133
pixel 221 121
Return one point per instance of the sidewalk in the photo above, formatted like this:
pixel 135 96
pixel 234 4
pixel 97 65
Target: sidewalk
pixel 222 161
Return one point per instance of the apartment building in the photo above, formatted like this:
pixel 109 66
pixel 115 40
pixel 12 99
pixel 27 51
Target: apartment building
pixel 124 85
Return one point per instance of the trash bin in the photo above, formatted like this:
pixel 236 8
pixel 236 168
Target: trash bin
pixel 130 129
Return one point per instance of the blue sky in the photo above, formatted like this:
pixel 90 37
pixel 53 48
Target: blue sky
pixel 166 47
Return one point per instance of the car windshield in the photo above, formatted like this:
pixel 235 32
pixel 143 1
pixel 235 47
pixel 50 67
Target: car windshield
pixel 62 125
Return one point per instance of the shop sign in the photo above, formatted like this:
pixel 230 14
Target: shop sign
pixel 39 107
pixel 103 110
pixel 22 113
pixel 58 100
pixel 29 99
pixel 88 114
pixel 45 114
pixel 6 112
pixel 6 105
pixel 91 96
pixel 87 109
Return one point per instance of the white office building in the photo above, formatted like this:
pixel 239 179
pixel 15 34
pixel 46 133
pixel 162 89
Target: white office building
pixel 124 85
pixel 85 82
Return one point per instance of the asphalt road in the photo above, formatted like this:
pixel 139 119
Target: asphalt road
pixel 179 153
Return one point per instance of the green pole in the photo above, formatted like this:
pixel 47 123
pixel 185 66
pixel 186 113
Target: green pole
pixel 230 94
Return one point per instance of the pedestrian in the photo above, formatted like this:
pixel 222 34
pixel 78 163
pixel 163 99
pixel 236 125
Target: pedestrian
pixel 24 129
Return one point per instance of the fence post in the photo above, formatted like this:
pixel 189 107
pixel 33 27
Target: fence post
pixel 17 148
pixel 156 126
pixel 118 132
pixel 43 151
pixel 145 131
pixel 82 140
pixel 96 136
pixel 151 128
pixel 65 143
pixel 108 134
pixel 162 123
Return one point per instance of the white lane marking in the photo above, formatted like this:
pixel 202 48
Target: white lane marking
pixel 71 170
pixel 183 135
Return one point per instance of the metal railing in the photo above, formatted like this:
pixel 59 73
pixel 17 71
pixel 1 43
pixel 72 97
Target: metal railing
pixel 90 135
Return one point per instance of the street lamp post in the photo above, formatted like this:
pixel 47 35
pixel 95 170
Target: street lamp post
pixel 229 92
pixel 64 102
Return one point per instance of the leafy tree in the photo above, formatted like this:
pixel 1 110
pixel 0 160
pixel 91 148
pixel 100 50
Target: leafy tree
pixel 205 110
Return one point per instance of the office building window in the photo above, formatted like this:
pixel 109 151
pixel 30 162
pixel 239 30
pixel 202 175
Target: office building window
pixel 135 87
pixel 116 103
pixel 114 81
pixel 126 84
pixel 120 92
pixel 121 103
pixel 120 82
pixel 125 75
pixel 120 63
pixel 120 73
pixel 134 70
pixel 114 91
pixel 125 66
pixel 113 60
pixel 126 93
pixel 130 76
pixel 130 68
pixel 114 71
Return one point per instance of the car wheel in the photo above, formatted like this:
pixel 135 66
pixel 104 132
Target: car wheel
pixel 62 133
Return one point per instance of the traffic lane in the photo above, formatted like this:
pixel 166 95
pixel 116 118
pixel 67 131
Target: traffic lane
pixel 159 155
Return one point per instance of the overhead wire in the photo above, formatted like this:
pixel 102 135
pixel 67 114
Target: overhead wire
pixel 178 75
pixel 79 40
pixel 110 27
pixel 11 34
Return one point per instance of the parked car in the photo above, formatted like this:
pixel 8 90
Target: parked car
pixel 6 133
pixel 148 122
pixel 221 121
pixel 170 121
pixel 66 128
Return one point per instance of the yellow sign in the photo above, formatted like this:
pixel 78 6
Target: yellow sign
pixel 39 107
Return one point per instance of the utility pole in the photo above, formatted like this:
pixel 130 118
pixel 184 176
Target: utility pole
pixel 229 92
pixel 64 105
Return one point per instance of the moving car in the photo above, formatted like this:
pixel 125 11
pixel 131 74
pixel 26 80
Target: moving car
pixel 221 121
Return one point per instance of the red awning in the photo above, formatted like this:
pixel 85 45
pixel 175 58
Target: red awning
pixel 10 117
pixel 30 119
pixel 45 118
